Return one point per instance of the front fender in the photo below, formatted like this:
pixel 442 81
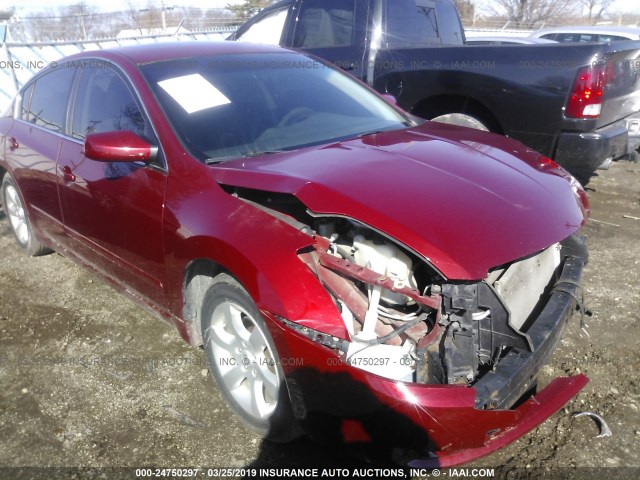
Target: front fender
pixel 259 250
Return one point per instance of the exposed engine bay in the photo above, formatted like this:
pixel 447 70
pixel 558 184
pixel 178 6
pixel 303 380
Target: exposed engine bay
pixel 406 322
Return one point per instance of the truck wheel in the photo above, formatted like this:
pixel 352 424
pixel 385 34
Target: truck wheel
pixel 243 360
pixel 16 212
pixel 462 120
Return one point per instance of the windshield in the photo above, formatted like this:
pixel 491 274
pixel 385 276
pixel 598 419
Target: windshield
pixel 232 106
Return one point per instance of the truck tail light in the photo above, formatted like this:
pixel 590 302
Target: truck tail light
pixel 587 93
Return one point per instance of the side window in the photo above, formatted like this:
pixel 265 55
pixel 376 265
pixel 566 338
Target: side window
pixel 611 38
pixel 412 22
pixel 49 100
pixel 267 30
pixel 568 37
pixel 587 37
pixel 104 104
pixel 325 24
pixel 23 114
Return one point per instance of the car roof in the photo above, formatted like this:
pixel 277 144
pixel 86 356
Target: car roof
pixel 631 32
pixel 156 52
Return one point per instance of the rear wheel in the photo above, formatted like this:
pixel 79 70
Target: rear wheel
pixel 244 362
pixel 18 216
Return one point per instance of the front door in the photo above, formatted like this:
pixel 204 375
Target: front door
pixel 112 211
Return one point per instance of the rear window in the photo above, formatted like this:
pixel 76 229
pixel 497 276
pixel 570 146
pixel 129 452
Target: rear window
pixel 422 22
pixel 411 22
pixel 325 24
pixel 451 28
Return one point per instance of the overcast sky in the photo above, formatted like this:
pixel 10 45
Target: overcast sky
pixel 25 6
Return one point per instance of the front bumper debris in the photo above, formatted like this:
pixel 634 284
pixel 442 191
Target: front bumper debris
pixel 434 424
pixel 516 372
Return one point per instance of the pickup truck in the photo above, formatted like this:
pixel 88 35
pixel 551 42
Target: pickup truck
pixel 574 103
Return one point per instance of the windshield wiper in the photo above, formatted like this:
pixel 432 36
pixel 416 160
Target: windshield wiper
pixel 371 132
pixel 266 152
pixel 215 160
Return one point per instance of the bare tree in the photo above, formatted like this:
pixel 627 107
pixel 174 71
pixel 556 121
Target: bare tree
pixel 134 16
pixel 219 17
pixel 530 13
pixel 595 9
pixel 77 21
pixel 73 22
pixel 466 11
pixel 6 14
pixel 41 26
pixel 248 8
pixel 84 22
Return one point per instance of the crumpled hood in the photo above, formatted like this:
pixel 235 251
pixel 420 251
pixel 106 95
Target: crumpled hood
pixel 466 200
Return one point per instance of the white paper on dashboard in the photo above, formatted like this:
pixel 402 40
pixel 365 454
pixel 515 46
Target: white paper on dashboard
pixel 193 92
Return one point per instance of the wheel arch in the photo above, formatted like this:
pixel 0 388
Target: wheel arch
pixel 197 279
pixel 442 104
pixel 204 258
pixel 287 288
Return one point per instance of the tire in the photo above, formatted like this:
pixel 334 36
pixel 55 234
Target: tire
pixel 18 216
pixel 243 360
pixel 462 120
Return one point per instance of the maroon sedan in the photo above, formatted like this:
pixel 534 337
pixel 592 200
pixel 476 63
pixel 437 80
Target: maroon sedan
pixel 351 272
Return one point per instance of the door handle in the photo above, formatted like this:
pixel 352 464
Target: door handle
pixel 67 174
pixel 13 144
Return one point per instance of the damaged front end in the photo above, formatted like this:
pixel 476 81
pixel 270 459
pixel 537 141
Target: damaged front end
pixel 429 330
pixel 455 349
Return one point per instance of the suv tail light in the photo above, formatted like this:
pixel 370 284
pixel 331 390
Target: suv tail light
pixel 588 91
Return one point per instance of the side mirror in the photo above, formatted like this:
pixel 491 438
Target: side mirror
pixel 119 146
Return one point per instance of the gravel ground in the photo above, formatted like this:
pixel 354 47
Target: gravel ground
pixel 89 379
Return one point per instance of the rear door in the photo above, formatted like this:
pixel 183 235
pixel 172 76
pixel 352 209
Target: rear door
pixel 34 143
pixel 113 210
